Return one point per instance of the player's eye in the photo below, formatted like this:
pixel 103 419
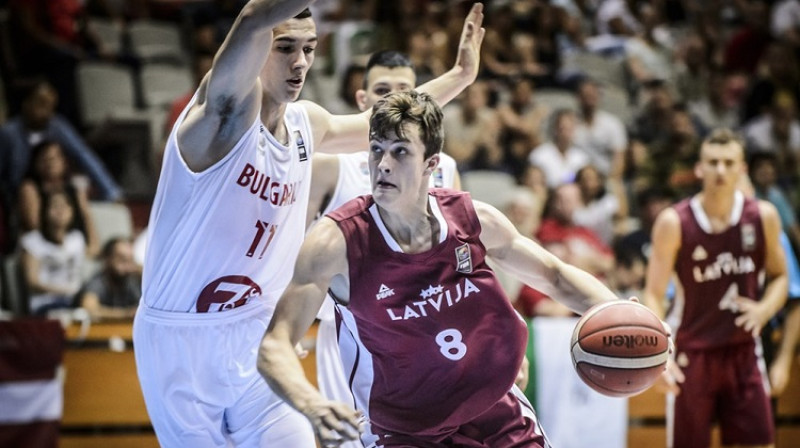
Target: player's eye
pixel 308 50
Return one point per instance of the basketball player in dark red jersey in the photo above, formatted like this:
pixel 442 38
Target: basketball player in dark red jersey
pixel 428 338
pixel 720 245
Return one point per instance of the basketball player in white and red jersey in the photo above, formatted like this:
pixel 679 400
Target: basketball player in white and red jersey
pixel 430 342
pixel 227 223
pixel 720 246
pixel 339 178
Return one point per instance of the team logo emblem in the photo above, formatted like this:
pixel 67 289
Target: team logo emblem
pixel 438 178
pixel 699 253
pixel 748 237
pixel 463 259
pixel 431 291
pixel 301 146
pixel 384 292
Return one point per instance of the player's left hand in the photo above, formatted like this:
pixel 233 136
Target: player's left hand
pixel 469 47
pixel 752 317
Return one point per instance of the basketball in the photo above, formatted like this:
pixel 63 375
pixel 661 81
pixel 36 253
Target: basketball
pixel 619 348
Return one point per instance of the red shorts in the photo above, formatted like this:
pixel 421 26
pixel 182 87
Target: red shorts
pixel 511 423
pixel 727 386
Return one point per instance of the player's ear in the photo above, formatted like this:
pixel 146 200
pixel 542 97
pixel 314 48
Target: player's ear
pixel 431 164
pixel 361 99
pixel 698 170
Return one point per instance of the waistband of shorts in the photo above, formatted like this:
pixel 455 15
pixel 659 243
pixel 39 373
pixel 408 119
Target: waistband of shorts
pixel 245 311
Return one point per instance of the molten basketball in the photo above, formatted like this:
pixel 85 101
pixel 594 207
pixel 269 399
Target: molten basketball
pixel 619 348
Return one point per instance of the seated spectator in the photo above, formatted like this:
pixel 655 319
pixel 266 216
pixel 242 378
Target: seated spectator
pixel 692 70
pixel 785 22
pixel 763 170
pixel 779 72
pixel 38 122
pixel 747 44
pixel 648 55
pixel 473 130
pixel 52 258
pixel 605 207
pixel 600 134
pixel 778 131
pixel 649 204
pixel 653 119
pixel 559 158
pixel 521 121
pixel 49 173
pixel 627 279
pixel 721 108
pixel 114 292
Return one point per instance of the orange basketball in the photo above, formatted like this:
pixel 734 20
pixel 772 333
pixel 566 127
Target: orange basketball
pixel 619 348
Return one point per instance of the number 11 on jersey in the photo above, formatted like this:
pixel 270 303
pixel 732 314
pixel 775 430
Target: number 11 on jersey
pixel 262 227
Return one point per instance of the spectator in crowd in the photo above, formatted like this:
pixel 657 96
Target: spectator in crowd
pixel 114 291
pixel 692 71
pixel 50 38
pixel 650 202
pixel 605 206
pixel 52 258
pixel 39 121
pixel 785 22
pixel 627 278
pixel 653 119
pixel 721 107
pixel 763 169
pixel 600 134
pixel 779 72
pixel 473 130
pixel 647 55
pixel 778 131
pixel 559 158
pixel 745 48
pixel 49 173
pixel 521 121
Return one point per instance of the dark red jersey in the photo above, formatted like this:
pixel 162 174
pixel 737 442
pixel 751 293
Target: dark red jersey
pixel 713 269
pixel 430 340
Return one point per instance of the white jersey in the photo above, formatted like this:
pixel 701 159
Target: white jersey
pixel 230 234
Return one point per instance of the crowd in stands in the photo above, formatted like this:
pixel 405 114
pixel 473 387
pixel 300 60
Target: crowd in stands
pixel 595 108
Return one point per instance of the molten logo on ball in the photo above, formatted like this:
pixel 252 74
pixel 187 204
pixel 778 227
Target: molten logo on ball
pixel 630 341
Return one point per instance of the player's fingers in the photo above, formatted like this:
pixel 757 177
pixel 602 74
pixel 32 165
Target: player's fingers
pixel 477 8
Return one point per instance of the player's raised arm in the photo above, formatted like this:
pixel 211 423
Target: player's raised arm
pixel 535 266
pixel 666 240
pixel 348 133
pixel 322 263
pixel 229 97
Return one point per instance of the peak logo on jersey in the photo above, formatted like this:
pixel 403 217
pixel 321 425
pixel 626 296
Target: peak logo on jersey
pixel 426 293
pixel 261 185
pixel 384 292
pixel 463 259
pixel 227 293
pixel 699 253
pixel 748 237
pixel 301 146
pixel 445 299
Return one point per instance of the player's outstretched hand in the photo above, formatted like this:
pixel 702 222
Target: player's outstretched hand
pixel 469 47
pixel 752 317
pixel 334 423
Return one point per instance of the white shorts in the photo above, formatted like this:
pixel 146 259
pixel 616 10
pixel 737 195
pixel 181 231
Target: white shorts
pixel 200 383
pixel 330 374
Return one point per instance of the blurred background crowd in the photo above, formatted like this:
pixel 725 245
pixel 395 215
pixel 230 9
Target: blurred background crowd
pixel 585 121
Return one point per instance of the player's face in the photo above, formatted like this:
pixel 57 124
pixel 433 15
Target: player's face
pixel 291 55
pixel 720 166
pixel 398 169
pixel 382 81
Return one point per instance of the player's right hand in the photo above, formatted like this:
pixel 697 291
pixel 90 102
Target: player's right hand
pixel 334 423
pixel 670 379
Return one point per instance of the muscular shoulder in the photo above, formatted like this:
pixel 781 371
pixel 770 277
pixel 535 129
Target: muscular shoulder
pixel 497 232
pixel 667 228
pixel 769 216
pixel 324 251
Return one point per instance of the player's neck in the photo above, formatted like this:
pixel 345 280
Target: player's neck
pixel 414 231
pixel 718 205
pixel 272 115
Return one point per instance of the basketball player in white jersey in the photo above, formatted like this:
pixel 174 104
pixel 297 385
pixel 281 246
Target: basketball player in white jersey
pixel 339 178
pixel 227 223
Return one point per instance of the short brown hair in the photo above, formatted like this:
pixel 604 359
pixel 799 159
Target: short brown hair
pixel 723 136
pixel 393 112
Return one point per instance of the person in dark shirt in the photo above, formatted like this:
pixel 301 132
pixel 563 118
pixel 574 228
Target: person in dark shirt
pixel 114 292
